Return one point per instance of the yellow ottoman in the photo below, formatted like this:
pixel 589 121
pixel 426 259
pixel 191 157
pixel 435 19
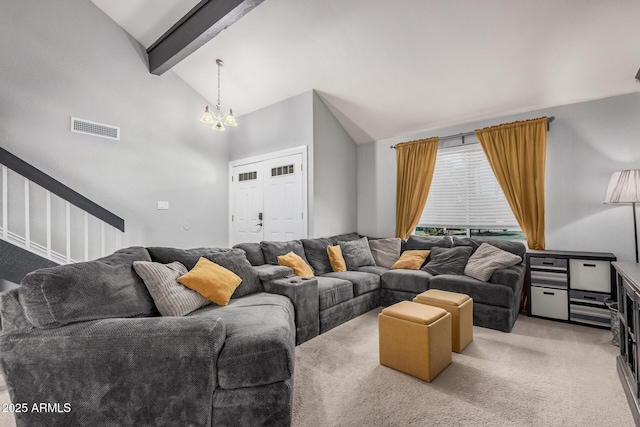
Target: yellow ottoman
pixel 461 308
pixel 415 339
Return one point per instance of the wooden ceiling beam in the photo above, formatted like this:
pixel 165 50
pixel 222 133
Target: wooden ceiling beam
pixel 205 21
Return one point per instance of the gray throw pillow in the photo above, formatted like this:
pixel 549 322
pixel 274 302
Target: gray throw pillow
pixel 385 251
pixel 487 259
pixel 356 253
pixel 104 288
pixel 236 261
pixel 272 250
pixel 171 297
pixel 421 243
pixel 253 251
pixel 448 260
pixel 317 256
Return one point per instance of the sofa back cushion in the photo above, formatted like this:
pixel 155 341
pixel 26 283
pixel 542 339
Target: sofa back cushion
pixel 236 261
pixel 426 242
pixel 316 252
pixel 347 237
pixel 253 251
pixel 104 288
pixel 186 257
pixel 231 259
pixel 516 248
pixel 272 250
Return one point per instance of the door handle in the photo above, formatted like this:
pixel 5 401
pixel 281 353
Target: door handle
pixel 259 224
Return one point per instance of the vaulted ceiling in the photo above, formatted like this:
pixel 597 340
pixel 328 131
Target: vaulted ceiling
pixel 393 68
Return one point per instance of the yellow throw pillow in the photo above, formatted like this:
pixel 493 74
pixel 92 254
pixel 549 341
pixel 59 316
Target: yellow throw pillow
pixel 212 281
pixel 300 267
pixel 411 260
pixel 336 259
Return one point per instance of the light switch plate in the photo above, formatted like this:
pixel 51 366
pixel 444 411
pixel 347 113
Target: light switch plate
pixel 163 205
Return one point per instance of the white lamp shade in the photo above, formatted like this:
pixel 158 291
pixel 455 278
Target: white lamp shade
pixel 218 126
pixel 624 187
pixel 230 120
pixel 206 116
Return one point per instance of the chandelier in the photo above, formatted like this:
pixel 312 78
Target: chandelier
pixel 218 118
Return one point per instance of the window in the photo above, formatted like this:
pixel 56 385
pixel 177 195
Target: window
pixel 465 198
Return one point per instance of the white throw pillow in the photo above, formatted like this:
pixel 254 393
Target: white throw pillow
pixel 487 259
pixel 385 251
pixel 171 297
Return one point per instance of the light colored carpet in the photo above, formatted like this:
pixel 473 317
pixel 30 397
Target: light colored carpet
pixel 543 373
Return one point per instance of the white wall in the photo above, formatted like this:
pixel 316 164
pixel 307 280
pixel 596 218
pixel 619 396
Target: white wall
pixel 587 142
pixel 335 192
pixel 67 58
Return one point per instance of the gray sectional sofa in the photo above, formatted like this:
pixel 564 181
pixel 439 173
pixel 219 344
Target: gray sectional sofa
pixel 331 298
pixel 89 335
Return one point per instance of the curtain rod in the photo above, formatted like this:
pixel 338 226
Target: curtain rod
pixel 465 134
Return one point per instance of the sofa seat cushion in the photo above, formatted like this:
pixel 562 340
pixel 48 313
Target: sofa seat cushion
pixel 362 282
pixel 413 281
pixel 333 291
pixel 373 269
pixel 260 342
pixel 482 292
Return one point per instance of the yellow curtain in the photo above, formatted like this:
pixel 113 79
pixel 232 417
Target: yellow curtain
pixel 416 161
pixel 517 153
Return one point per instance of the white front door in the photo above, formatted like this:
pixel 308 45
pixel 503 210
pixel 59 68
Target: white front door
pixel 246 203
pixel 268 199
pixel 284 214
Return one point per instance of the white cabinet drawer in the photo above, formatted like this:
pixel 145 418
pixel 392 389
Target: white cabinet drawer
pixel 590 275
pixel 547 302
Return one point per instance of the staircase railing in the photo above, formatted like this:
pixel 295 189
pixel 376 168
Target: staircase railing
pixel 44 216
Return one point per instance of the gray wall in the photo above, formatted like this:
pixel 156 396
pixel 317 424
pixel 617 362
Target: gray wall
pixel 305 120
pixel 5 285
pixel 67 58
pixel 335 197
pixel 588 142
pixel 283 125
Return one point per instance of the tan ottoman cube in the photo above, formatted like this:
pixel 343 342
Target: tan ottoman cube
pixel 461 308
pixel 415 339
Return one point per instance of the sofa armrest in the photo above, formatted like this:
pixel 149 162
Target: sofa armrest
pixel 511 276
pixel 104 372
pixel 303 293
pixel 267 272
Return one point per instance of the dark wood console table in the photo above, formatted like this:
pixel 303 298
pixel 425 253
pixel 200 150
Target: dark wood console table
pixel 628 284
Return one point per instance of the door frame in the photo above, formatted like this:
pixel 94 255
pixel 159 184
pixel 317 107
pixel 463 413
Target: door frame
pixel 270 156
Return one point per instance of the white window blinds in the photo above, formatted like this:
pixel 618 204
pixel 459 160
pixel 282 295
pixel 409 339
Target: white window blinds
pixel 465 193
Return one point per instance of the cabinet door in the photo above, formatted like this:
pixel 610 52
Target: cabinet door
pixel 547 302
pixel 590 275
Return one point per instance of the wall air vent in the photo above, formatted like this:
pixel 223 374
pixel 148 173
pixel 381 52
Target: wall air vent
pixel 95 129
